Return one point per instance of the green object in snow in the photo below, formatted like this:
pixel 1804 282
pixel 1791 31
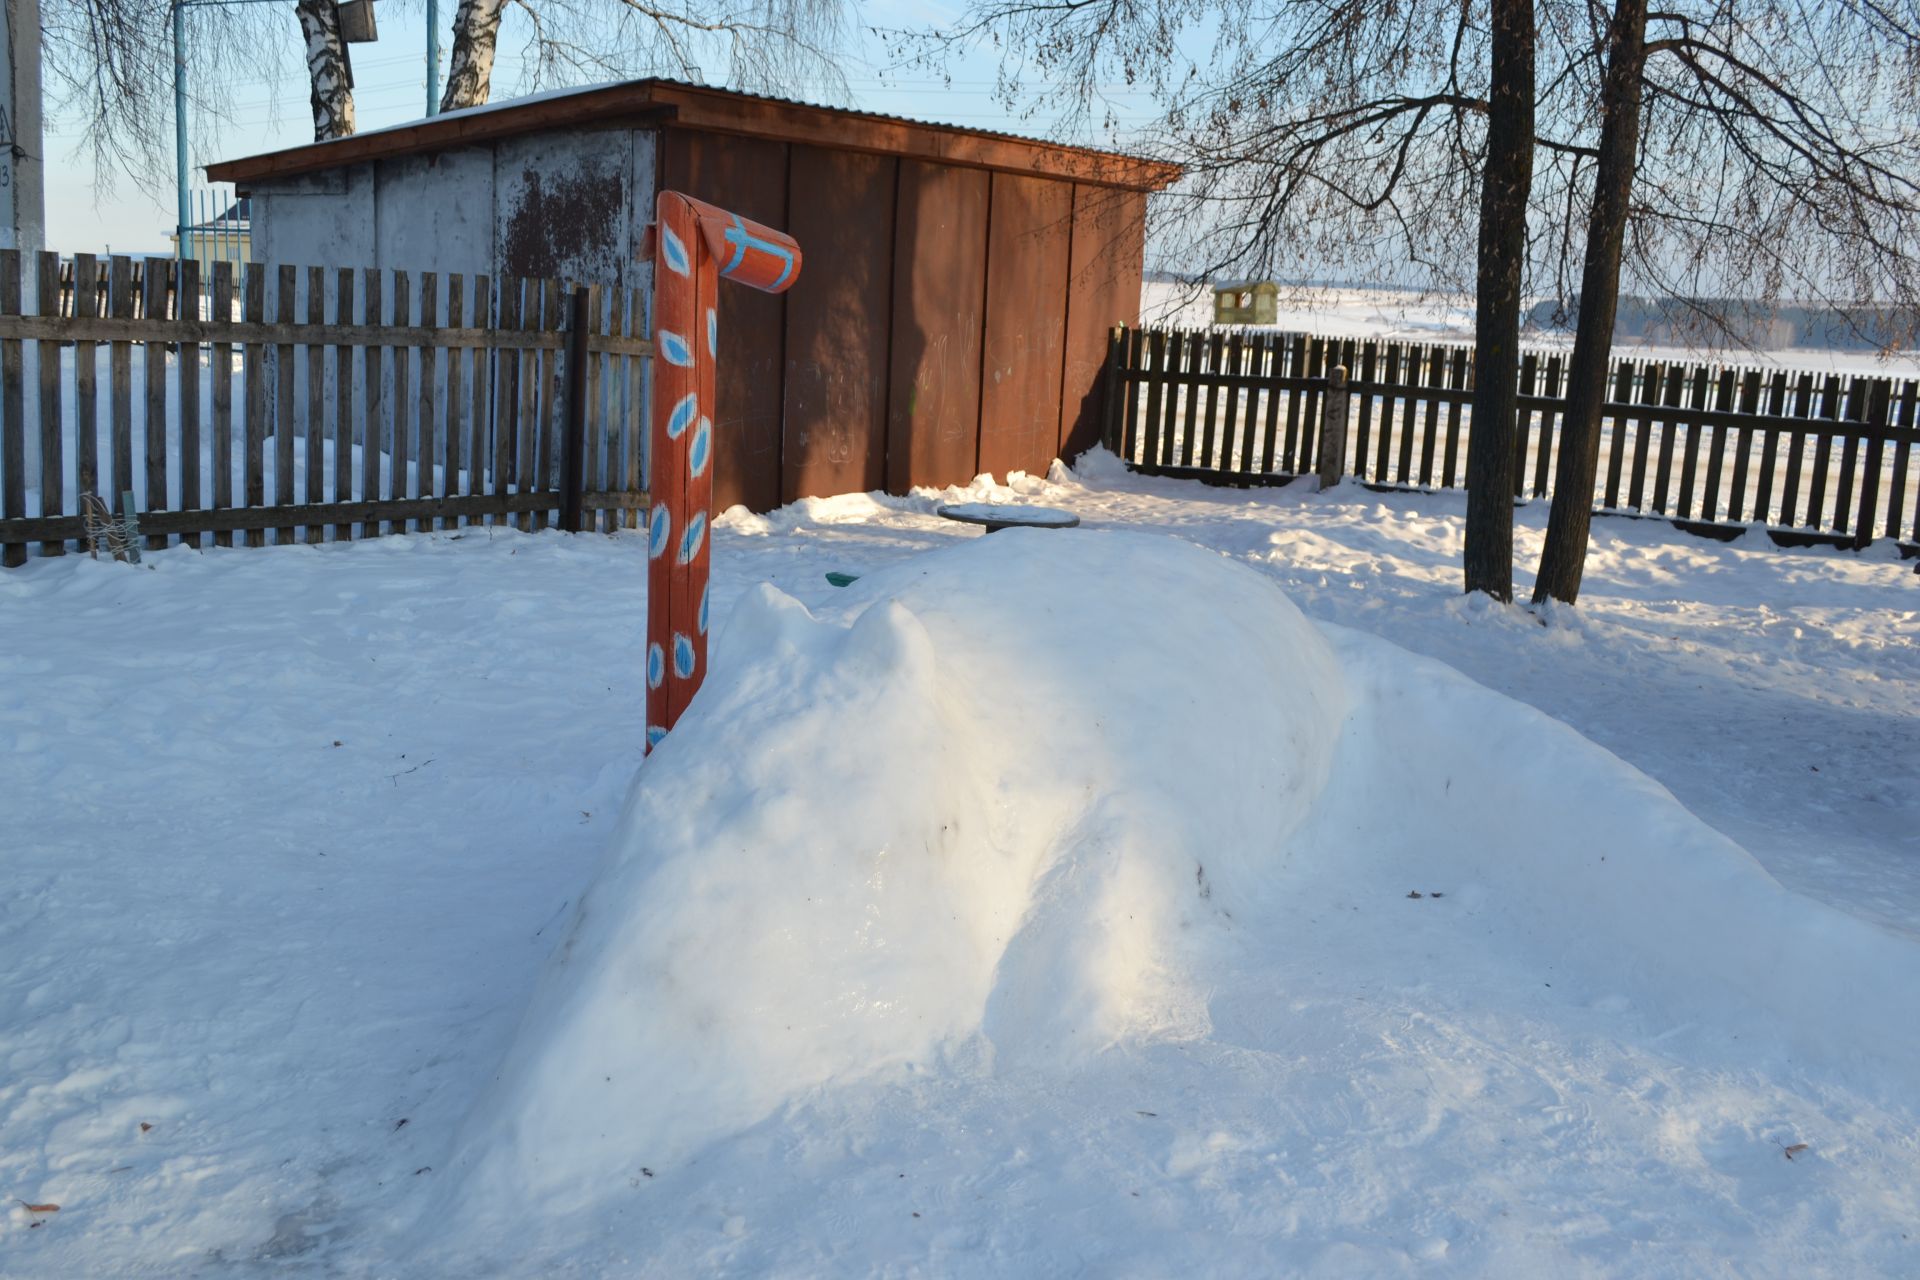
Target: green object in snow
pixel 843 579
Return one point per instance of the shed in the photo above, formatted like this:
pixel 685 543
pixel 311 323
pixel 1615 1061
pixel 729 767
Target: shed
pixel 952 316
pixel 1246 302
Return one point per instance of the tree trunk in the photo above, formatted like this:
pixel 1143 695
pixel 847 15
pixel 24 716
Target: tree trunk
pixel 1571 519
pixel 1506 184
pixel 476 27
pixel 328 71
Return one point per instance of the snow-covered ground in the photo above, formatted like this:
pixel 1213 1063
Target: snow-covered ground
pixel 290 835
pixel 1413 317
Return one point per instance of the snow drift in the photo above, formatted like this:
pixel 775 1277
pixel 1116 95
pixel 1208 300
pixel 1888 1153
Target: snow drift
pixel 1004 805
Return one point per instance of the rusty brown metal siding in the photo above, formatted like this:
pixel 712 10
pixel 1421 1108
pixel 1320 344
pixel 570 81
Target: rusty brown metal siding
pixel 939 295
pixel 1103 289
pixel 840 209
pixel 1029 235
pixel 748 176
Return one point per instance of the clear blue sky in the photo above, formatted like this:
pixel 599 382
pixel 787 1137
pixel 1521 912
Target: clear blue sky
pixel 271 111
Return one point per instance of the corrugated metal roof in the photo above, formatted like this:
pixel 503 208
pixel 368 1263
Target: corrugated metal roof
pixel 677 104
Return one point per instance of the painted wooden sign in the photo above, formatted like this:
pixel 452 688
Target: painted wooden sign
pixel 695 246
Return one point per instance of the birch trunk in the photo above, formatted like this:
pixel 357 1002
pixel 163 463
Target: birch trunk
pixel 328 72
pixel 476 27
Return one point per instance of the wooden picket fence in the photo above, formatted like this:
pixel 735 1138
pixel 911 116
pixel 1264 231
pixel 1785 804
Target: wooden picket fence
pixel 1825 458
pixel 296 405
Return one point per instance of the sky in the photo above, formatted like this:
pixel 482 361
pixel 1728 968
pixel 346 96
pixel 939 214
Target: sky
pixel 271 111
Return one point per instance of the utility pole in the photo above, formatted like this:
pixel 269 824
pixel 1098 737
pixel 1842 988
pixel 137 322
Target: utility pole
pixel 433 57
pixel 23 202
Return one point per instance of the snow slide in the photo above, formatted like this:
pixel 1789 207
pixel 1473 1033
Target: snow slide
pixel 1008 805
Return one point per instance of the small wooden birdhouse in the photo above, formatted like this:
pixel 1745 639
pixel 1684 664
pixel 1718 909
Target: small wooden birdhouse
pixel 1246 302
pixel 356 22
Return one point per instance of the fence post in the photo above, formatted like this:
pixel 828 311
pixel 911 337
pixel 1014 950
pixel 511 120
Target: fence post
pixel 1879 414
pixel 573 442
pixel 1110 390
pixel 1333 428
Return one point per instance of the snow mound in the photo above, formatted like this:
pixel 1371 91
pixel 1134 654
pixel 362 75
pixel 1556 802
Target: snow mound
pixel 1007 805
pixel 993 802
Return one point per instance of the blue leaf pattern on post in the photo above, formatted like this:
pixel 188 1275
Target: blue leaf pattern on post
pixel 656 666
pixel 654 735
pixel 713 334
pixel 659 525
pixel 676 253
pixel 683 416
pixel 682 656
pixel 695 535
pixel 700 452
pixel 674 349
pixel 706 604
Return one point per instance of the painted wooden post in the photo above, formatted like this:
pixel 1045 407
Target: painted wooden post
pixel 695 245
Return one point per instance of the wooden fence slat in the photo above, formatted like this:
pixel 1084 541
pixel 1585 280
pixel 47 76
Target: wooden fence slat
pixel 158 281
pixel 53 480
pixel 1419 373
pixel 1457 375
pixel 254 306
pixel 480 409
pixel 634 426
pixel 1803 407
pixel 1743 449
pixel 1551 421
pixel 1857 401
pixel 286 281
pixel 1897 492
pixel 506 413
pixel 314 412
pixel 1203 357
pixel 602 442
pixel 1363 429
pixel 528 439
pixel 220 384
pixel 1717 448
pixel 1230 422
pixel 1697 391
pixel 456 434
pixel 86 385
pixel 344 469
pixel 1304 463
pixel 1878 403
pixel 1390 379
pixel 13 422
pixel 400 446
pixel 1156 343
pixel 1770 449
pixel 122 290
pixel 556 308
pixel 1430 438
pixel 1616 432
pixel 1832 409
pixel 431 476
pixel 1676 385
pixel 373 442
pixel 187 306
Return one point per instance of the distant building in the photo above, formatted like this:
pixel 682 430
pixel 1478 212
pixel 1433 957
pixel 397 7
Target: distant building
pixel 1246 302
pixel 227 238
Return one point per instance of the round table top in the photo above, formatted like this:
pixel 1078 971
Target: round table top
pixel 1000 516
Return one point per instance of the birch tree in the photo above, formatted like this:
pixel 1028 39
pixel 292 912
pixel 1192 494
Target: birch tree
pixel 329 76
pixel 476 31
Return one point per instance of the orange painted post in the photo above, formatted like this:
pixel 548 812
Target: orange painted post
pixel 695 245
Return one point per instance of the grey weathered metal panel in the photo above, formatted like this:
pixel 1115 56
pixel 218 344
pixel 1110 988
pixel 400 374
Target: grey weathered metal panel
pixel 317 220
pixel 560 206
pixel 939 297
pixel 1027 260
pixel 436 212
pixel 840 209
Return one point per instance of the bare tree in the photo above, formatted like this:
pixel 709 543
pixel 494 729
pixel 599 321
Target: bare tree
pixel 1506 184
pixel 329 76
pixel 783 46
pixel 1779 153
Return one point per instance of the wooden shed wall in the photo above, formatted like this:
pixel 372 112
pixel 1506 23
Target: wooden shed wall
pixel 949 320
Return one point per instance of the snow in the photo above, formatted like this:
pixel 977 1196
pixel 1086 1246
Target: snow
pixel 355 993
